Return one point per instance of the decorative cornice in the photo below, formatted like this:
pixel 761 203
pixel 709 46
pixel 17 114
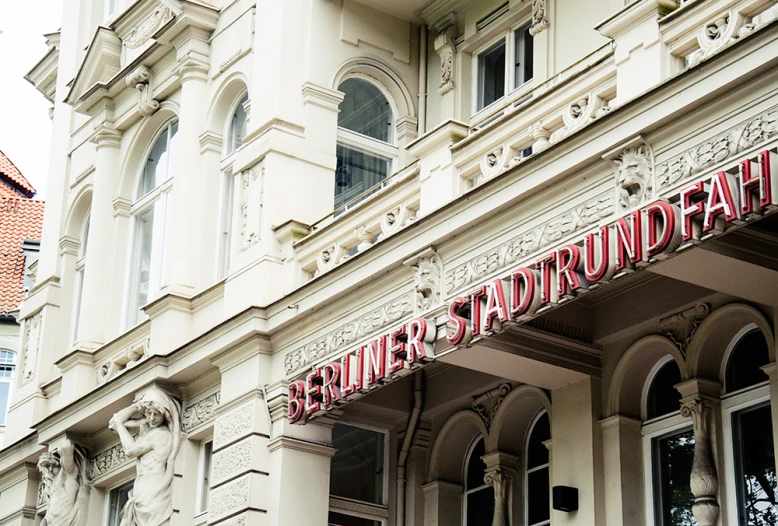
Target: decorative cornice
pixel 300 445
pixel 121 207
pixel 326 98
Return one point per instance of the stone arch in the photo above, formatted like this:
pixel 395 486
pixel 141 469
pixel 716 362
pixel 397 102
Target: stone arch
pixel 383 77
pixel 229 92
pixel 709 344
pixel 625 394
pixel 512 420
pixel 139 145
pixel 452 444
pixel 79 207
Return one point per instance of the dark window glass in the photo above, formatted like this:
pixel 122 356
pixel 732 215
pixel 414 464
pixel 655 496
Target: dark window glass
pixel 491 75
pixel 537 453
pixel 476 466
pixel 749 354
pixel 117 499
pixel 673 497
pixel 337 519
pixel 524 49
pixel 356 173
pixel 478 495
pixel 365 110
pixel 663 398
pixel 755 466
pixel 357 469
pixel 538 506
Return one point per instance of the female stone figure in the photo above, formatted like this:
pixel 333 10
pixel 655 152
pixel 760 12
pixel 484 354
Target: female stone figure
pixel 154 449
pixel 66 483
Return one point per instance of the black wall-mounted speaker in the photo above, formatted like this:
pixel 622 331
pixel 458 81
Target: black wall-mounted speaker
pixel 564 498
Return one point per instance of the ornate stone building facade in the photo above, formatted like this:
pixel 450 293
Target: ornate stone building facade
pixel 410 263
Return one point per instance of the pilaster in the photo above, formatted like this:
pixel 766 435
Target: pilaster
pixel 442 503
pixel 622 443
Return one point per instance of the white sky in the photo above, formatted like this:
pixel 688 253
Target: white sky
pixel 25 128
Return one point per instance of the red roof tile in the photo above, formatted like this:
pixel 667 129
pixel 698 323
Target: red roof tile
pixel 20 219
pixel 11 175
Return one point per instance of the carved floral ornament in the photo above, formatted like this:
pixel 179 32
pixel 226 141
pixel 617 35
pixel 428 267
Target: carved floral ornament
pixel 540 20
pixel 446 49
pixel 147 27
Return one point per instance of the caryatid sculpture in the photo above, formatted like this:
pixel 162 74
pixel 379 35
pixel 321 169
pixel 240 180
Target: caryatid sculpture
pixel 155 447
pixel 65 474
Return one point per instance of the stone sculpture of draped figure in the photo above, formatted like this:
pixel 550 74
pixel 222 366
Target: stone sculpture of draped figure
pixel 65 473
pixel 157 423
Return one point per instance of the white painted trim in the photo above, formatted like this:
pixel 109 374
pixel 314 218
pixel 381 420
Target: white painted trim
pixel 465 465
pixel 647 385
pixel 199 510
pixel 728 353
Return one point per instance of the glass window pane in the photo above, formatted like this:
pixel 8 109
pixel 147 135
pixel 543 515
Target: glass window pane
pixel 538 503
pixel 476 466
pixel 755 467
pixel 365 110
pixel 673 497
pixel 523 56
pixel 145 229
pixel 77 303
pixel 84 238
pixel 663 398
pixel 117 499
pixel 5 390
pixel 237 126
pixel 537 453
pixel 491 75
pixel 338 519
pixel 357 469
pixel 356 173
pixel 205 482
pixel 743 367
pixel 155 169
pixel 480 507
pixel 226 224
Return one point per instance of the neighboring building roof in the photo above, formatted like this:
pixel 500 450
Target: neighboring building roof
pixel 11 175
pixel 20 219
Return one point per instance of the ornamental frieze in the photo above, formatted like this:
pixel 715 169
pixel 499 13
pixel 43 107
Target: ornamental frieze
pixel 107 460
pixel 742 136
pixel 530 241
pixel 379 318
pixel 200 412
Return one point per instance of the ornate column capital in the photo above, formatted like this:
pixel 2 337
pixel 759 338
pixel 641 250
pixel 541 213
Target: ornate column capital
pixel 192 66
pixel 107 136
pixel 500 471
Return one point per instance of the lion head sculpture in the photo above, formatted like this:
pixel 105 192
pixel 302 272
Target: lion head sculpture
pixel 427 280
pixel 633 175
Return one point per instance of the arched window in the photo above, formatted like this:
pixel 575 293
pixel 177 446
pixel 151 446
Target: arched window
pixel 7 368
pixel 150 217
pixel 235 135
pixel 536 472
pixel 365 150
pixel 479 496
pixel 79 282
pixel 746 406
pixel 668 449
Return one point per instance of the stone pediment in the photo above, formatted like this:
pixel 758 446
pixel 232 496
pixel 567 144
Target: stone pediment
pixel 100 65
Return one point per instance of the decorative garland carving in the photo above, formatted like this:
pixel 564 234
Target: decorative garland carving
pixel 486 404
pixel 148 26
pixel 107 460
pixel 530 241
pixel 446 49
pixel 379 318
pixel 681 326
pixel 140 79
pixel 201 412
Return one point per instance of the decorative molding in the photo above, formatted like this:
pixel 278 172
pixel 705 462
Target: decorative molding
pixel 373 321
pixel 445 47
pixel 530 241
pixel 200 412
pixel 31 346
pixel 721 147
pixel 486 404
pixel 251 215
pixel 108 460
pixel 681 326
pixel 540 20
pixel 147 27
pixel 140 79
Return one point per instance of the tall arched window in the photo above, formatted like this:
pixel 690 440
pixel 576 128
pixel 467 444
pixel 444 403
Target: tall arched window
pixel 668 449
pixel 536 473
pixel 7 368
pixel 365 140
pixel 79 282
pixel 150 217
pixel 746 406
pixel 479 496
pixel 235 135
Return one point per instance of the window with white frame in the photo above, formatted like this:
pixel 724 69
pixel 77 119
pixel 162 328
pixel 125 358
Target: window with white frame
pixel 358 475
pixel 150 216
pixel 668 446
pixel 204 482
pixel 117 498
pixel 235 135
pixel 537 473
pixel 478 499
pixel 365 150
pixel 79 282
pixel 7 368
pixel 749 433
pixel 504 65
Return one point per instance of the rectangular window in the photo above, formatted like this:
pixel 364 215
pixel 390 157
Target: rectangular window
pixel 357 469
pixel 522 56
pixel 205 477
pixel 117 498
pixel 755 466
pixel 5 391
pixel 226 225
pixel 673 499
pixel 491 75
pixel 356 173
pixel 77 304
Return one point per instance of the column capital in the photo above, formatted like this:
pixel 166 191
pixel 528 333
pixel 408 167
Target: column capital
pixel 498 460
pixel 107 136
pixel 192 66
pixel 699 388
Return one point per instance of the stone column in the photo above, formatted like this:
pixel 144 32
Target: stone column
pixel 771 370
pixel 622 443
pixel 699 401
pixel 442 503
pixel 98 277
pixel 500 472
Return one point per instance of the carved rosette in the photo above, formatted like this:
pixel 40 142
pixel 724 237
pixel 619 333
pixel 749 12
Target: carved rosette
pixel 704 481
pixel 140 79
pixel 539 17
pixel 446 50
